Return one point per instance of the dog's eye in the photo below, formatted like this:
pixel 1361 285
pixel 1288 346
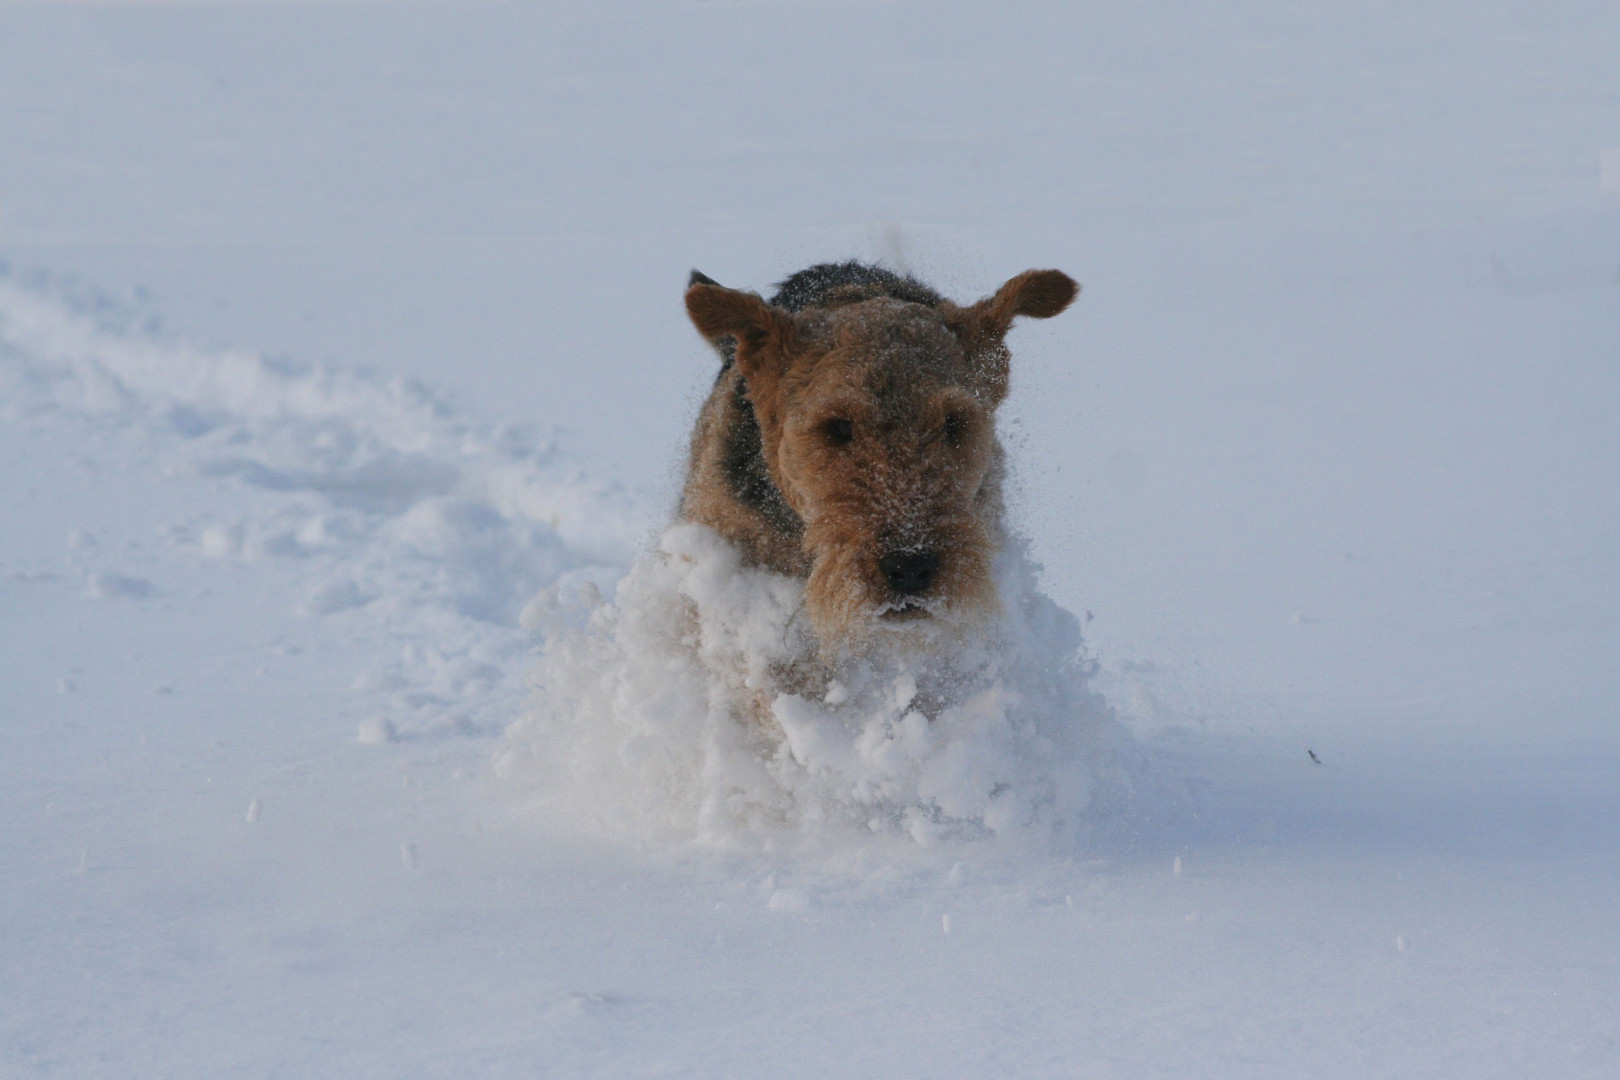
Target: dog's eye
pixel 839 431
pixel 956 429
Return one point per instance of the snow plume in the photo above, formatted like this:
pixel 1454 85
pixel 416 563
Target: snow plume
pixel 664 712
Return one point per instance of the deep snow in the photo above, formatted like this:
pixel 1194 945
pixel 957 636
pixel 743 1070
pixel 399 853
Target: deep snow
pixel 1323 459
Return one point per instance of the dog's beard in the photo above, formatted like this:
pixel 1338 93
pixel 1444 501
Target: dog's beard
pixel 852 613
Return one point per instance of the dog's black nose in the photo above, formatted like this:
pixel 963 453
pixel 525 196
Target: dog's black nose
pixel 909 572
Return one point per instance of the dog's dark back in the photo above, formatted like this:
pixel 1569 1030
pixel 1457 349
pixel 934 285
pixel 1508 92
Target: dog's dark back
pixel 835 284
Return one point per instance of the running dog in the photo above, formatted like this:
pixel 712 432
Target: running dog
pixel 850 441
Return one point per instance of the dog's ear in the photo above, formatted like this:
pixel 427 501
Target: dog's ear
pixel 1040 294
pixel 763 333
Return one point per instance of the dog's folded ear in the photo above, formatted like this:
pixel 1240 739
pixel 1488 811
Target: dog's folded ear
pixel 762 332
pixel 1039 294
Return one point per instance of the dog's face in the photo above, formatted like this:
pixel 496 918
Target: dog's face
pixel 882 444
pixel 877 422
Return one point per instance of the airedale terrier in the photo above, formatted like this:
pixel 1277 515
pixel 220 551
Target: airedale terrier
pixel 850 441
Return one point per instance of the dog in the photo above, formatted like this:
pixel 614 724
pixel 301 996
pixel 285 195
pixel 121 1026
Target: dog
pixel 850 441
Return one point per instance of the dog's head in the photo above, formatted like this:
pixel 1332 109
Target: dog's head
pixel 877 422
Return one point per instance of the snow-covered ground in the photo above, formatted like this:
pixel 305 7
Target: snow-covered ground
pixel 332 334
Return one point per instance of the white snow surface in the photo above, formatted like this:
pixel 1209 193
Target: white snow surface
pixel 350 719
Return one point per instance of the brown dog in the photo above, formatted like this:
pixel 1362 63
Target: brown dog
pixel 850 441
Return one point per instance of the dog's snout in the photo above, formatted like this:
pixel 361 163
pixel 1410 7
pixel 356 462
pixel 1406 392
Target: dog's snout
pixel 909 572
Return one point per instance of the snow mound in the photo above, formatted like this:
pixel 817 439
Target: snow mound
pixel 662 713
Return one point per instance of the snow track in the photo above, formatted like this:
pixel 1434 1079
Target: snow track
pixel 398 515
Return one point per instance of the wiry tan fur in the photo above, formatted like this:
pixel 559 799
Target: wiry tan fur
pixel 877 474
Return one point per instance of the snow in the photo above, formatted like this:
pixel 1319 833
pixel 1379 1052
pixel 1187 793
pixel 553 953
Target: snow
pixel 665 712
pixel 343 388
